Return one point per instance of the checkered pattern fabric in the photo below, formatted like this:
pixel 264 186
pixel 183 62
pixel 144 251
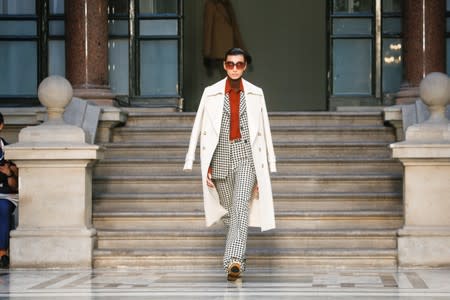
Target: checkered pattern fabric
pixel 221 159
pixel 235 192
pixel 234 176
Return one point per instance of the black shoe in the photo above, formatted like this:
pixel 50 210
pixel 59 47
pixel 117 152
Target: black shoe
pixel 4 262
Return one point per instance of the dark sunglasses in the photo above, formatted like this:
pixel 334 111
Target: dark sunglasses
pixel 229 65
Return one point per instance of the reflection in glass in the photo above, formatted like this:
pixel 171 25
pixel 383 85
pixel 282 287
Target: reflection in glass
pixel 392 65
pixel 17 28
pixel 56 7
pixel 18 65
pixel 352 67
pixel 392 25
pixel 56 27
pixel 117 27
pixel 117 7
pixel 158 27
pixel 352 26
pixel 56 58
pixel 353 6
pixel 158 6
pixel 159 68
pixel 118 66
pixel 392 6
pixel 17 7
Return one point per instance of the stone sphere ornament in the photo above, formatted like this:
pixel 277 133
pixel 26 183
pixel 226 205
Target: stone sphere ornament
pixel 435 93
pixel 55 93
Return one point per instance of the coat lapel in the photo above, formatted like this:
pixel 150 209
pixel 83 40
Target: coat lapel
pixel 253 109
pixel 215 105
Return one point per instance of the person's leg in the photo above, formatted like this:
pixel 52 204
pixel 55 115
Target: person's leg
pixel 6 209
pixel 224 188
pixel 236 244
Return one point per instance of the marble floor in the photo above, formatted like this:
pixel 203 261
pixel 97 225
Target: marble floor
pixel 211 284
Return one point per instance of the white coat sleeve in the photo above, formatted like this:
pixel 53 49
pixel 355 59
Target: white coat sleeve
pixel 196 128
pixel 268 138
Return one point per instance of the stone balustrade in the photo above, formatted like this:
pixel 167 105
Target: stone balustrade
pixel 424 239
pixel 55 192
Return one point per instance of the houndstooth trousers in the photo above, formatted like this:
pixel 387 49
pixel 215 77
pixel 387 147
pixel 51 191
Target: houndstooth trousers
pixel 234 178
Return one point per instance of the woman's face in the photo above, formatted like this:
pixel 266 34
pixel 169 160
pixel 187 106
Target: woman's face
pixel 235 66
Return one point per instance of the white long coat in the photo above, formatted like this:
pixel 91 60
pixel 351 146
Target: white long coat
pixel 207 125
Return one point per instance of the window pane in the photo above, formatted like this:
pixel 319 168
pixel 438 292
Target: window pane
pixel 448 5
pixel 353 6
pixel 17 7
pixel 352 26
pixel 158 27
pixel 56 27
pixel 352 67
pixel 118 66
pixel 117 27
pixel 392 65
pixel 57 58
pixel 118 7
pixel 392 6
pixel 17 28
pixel 158 6
pixel 159 68
pixel 448 56
pixel 392 25
pixel 56 7
pixel 18 62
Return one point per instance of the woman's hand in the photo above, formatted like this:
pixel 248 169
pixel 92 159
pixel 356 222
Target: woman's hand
pixel 5 169
pixel 209 181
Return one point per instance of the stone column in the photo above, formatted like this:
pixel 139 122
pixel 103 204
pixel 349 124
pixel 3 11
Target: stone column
pixel 423 44
pixel 425 238
pixel 55 188
pixel 87 50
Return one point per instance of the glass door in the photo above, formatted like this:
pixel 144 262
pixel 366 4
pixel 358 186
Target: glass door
pixel 365 51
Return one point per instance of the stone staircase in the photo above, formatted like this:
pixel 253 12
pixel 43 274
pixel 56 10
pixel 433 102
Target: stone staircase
pixel 337 195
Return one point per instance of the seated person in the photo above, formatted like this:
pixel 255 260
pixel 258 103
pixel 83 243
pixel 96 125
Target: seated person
pixel 8 186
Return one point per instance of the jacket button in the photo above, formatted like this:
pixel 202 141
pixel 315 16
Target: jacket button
pixel 204 148
pixel 204 132
pixel 262 166
pixel 259 149
pixel 259 133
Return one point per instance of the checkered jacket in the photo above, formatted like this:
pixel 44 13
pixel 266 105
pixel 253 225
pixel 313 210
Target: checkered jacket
pixel 221 160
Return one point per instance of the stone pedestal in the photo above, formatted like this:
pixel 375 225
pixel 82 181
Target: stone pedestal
pixel 425 238
pixel 55 188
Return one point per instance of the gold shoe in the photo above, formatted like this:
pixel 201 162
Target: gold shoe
pixel 234 271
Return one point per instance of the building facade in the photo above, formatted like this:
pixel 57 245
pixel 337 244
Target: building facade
pixel 308 55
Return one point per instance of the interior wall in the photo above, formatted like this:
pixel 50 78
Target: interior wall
pixel 287 40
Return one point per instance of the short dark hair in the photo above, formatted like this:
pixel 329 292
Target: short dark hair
pixel 1 118
pixel 238 51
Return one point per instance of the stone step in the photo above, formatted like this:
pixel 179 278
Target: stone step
pixel 139 117
pixel 169 202
pixel 279 134
pixel 273 239
pixel 132 166
pixel 280 183
pixel 285 220
pixel 287 150
pixel 337 195
pixel 278 258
